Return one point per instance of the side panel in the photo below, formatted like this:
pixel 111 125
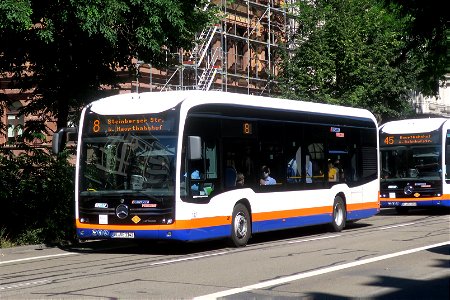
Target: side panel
pixel 270 211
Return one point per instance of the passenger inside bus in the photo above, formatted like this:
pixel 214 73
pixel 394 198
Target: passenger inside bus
pixel 332 172
pixel 240 179
pixel 265 177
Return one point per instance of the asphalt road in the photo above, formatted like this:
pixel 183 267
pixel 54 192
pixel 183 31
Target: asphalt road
pixel 388 256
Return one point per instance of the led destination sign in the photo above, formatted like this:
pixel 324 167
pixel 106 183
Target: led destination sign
pixel 130 124
pixel 410 139
pixel 123 124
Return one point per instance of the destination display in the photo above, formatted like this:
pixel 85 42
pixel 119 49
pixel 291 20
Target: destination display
pixel 410 139
pixel 98 124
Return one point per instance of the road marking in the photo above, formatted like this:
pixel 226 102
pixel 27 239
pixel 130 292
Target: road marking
pixel 187 258
pixel 26 284
pixel 394 226
pixel 287 279
pixel 314 239
pixel 36 257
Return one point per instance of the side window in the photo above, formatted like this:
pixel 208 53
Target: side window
pixel 339 154
pixel 361 164
pixel 211 160
pixel 368 148
pixel 294 164
pixel 314 141
pixel 199 176
pixel 271 151
pixel 318 166
pixel 447 158
pixel 298 168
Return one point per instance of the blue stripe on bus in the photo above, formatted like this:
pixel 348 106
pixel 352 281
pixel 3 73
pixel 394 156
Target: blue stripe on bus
pixel 362 214
pixel 215 232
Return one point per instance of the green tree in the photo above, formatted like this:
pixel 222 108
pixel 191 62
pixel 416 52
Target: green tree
pixel 354 53
pixel 66 52
pixel 69 49
pixel 429 39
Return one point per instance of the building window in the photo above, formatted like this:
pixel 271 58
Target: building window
pixel 15 126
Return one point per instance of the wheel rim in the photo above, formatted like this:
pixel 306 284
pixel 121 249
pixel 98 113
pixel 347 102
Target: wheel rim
pixel 338 214
pixel 240 225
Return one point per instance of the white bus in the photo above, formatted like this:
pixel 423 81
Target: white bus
pixel 164 166
pixel 415 163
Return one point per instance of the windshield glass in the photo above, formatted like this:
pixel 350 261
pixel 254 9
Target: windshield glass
pixel 410 162
pixel 133 154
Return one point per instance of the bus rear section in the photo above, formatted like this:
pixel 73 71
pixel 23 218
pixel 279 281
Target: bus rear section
pixel 415 163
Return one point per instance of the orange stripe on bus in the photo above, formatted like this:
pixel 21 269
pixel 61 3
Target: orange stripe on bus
pixel 179 224
pixel 423 199
pixel 226 220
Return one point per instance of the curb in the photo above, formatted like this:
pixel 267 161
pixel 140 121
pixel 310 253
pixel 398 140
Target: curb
pixel 24 248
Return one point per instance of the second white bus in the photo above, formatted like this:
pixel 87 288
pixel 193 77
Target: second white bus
pixel 415 162
pixel 164 166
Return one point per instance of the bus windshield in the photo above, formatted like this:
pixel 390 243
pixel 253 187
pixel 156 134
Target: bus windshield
pixel 410 162
pixel 133 154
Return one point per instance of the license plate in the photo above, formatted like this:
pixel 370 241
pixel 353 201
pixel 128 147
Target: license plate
pixel 123 235
pixel 409 204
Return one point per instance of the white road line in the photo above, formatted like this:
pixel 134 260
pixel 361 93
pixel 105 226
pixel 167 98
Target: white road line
pixel 187 258
pixel 278 281
pixel 314 239
pixel 19 285
pixel 394 226
pixel 36 257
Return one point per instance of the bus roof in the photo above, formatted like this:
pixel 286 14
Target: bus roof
pixel 412 125
pixel 154 102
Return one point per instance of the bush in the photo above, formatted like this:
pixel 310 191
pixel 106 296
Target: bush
pixel 37 197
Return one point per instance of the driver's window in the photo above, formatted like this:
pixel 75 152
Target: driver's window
pixel 198 179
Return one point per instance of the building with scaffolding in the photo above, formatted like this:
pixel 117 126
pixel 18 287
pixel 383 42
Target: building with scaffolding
pixel 239 54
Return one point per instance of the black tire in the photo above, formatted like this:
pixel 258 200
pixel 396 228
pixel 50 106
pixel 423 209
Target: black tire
pixel 241 226
pixel 339 214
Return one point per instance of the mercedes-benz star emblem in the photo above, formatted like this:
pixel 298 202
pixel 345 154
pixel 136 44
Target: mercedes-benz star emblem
pixel 408 190
pixel 122 211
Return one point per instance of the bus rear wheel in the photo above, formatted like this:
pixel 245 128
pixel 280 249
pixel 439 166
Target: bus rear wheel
pixel 240 226
pixel 339 214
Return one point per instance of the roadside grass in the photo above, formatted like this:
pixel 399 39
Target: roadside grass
pixel 5 241
pixel 30 237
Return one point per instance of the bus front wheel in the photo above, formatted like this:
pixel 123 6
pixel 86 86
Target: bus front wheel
pixel 240 226
pixel 339 214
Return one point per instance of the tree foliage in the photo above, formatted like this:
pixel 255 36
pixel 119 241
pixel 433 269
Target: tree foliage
pixel 69 49
pixel 37 196
pixel 428 39
pixel 66 52
pixel 355 53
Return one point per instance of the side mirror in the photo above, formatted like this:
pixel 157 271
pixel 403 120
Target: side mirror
pixel 195 147
pixel 61 137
